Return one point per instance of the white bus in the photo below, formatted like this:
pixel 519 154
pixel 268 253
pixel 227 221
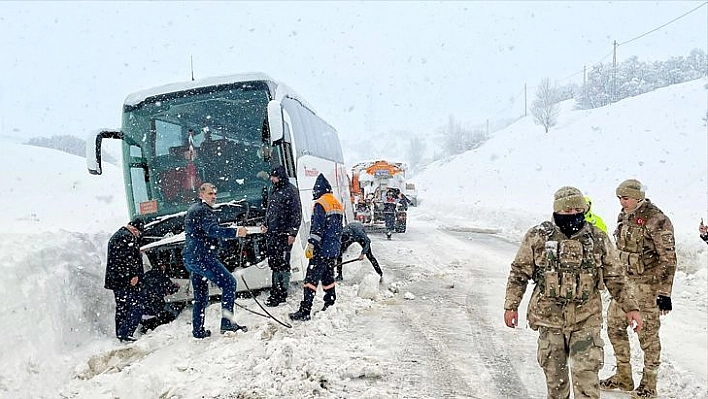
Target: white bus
pixel 228 131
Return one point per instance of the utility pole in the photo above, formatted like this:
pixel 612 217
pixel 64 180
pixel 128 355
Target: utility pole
pixel 191 66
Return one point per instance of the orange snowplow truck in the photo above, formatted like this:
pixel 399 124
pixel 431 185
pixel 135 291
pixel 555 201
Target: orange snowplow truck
pixel 370 184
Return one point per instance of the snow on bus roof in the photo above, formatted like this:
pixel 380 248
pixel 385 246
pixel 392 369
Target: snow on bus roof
pixel 282 90
pixel 140 96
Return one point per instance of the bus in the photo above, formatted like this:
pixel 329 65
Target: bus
pixel 229 131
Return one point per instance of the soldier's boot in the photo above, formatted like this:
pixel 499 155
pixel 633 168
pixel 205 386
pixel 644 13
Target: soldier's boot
pixel 647 386
pixel 305 306
pixel 622 379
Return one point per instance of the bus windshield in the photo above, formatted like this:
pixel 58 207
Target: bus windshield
pixel 174 142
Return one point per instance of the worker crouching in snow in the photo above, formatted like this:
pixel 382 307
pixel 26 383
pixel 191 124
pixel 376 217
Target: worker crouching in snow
pixel 323 247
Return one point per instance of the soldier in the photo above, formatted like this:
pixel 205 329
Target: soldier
pixel 570 261
pixel 703 231
pixel 645 240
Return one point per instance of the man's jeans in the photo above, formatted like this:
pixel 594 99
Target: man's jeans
pixel 200 275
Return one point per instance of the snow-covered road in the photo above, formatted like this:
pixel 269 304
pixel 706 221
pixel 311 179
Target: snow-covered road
pixel 434 329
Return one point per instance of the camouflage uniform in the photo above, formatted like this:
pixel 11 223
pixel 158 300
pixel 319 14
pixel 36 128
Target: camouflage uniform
pixel 645 240
pixel 565 306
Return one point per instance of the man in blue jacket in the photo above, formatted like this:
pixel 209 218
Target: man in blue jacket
pixel 323 247
pixel 124 274
pixel 354 232
pixel 283 217
pixel 202 236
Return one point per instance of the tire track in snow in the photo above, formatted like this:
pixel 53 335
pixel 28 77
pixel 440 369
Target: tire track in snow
pixel 469 323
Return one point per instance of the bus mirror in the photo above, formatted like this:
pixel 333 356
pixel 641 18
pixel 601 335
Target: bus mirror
pixel 275 120
pixel 93 149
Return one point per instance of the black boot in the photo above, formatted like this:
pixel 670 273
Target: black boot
pixel 227 325
pixel 305 306
pixel 300 315
pixel 273 300
pixel 329 298
pixel 274 297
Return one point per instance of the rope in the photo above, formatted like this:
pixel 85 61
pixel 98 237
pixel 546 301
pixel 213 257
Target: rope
pixel 267 315
pixel 261 306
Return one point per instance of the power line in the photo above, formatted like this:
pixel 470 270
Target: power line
pixel 510 106
pixel 656 29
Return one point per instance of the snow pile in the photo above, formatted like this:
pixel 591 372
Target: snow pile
pixel 50 190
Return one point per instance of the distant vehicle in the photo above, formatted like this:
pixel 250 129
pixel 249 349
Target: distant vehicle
pixel 370 184
pixel 229 131
pixel 411 193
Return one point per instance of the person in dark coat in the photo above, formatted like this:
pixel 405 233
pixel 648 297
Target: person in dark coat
pixel 703 231
pixel 124 274
pixel 389 212
pixel 155 286
pixel 354 232
pixel 324 244
pixel 201 248
pixel 283 217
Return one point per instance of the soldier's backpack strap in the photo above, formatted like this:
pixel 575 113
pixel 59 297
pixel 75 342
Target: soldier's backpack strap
pixel 546 229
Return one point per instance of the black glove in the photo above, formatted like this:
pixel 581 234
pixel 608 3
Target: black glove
pixel 664 302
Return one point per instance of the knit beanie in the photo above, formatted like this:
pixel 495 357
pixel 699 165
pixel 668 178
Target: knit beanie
pixel 569 198
pixel 631 188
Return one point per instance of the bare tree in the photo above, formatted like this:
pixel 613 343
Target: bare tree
pixel 545 107
pixel 416 148
pixel 456 139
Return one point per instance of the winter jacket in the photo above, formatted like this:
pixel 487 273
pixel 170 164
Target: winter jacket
pixel 326 221
pixel 284 213
pixel 154 288
pixel 354 232
pixel 645 240
pixel 567 295
pixel 124 260
pixel 203 233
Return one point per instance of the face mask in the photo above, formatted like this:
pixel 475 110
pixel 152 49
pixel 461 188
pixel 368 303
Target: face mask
pixel 569 224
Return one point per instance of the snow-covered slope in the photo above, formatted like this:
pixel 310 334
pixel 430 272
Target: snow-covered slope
pixel 50 190
pixel 507 185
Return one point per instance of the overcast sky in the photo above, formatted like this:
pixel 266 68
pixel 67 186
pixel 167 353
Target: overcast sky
pixel 366 67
